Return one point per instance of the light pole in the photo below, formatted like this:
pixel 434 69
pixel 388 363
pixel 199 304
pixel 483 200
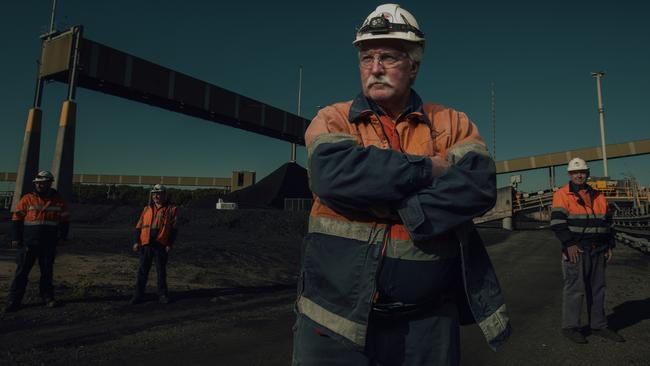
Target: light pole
pixel 293 145
pixel 601 113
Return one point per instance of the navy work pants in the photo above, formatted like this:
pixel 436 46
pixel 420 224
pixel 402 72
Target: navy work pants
pixel 432 340
pixel 25 259
pixel 156 253
pixel 584 280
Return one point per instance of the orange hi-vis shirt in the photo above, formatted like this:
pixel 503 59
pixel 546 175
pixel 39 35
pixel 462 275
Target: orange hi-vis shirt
pixel 44 218
pixel 157 224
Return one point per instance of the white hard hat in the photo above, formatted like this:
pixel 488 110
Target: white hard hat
pixel 159 188
pixel 390 21
pixel 577 164
pixel 44 176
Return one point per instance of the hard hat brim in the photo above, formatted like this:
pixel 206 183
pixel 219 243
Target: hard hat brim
pixel 371 37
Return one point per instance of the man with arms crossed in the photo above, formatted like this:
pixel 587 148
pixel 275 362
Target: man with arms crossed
pixel 392 263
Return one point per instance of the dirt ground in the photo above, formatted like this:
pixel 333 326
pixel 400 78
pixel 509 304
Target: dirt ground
pixel 232 277
pixel 229 272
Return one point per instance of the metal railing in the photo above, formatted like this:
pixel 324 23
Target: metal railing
pixel 297 204
pixel 5 199
pixel 525 202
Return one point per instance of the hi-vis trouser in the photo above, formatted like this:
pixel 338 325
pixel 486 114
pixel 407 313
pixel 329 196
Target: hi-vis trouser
pixel 584 280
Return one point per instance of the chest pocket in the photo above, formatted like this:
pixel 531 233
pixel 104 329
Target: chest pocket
pixel 417 139
pixel 366 135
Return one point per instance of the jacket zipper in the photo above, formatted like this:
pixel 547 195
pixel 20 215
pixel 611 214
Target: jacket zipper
pixel 375 293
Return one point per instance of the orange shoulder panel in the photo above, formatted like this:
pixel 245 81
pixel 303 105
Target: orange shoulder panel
pixel 451 127
pixel 330 119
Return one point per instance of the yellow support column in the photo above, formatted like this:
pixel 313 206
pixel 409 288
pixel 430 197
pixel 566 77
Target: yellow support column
pixel 63 161
pixel 29 155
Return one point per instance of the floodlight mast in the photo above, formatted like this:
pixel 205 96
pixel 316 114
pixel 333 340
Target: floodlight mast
pixel 293 145
pixel 601 114
pixel 52 17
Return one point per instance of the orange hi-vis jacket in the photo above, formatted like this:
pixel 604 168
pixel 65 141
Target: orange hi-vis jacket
pixel 157 224
pixel 377 204
pixel 585 222
pixel 451 135
pixel 39 219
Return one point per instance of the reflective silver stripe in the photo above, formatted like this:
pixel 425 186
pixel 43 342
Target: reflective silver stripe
pixel 20 213
pixel 65 214
pixel 560 209
pixel 557 222
pixel 407 250
pixel 145 226
pixel 456 152
pixel 495 324
pixel 587 216
pixel 366 232
pixel 41 222
pixel 355 332
pixel 53 208
pixel 328 138
pixel 590 230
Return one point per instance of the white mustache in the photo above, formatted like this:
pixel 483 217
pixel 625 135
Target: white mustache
pixel 381 79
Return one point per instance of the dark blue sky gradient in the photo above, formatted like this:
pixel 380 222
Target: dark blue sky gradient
pixel 539 55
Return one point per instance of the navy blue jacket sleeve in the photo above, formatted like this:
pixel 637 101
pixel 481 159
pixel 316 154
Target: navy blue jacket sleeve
pixel 559 224
pixel 347 177
pixel 465 191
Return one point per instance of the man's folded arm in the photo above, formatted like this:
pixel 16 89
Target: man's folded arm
pixel 465 191
pixel 346 176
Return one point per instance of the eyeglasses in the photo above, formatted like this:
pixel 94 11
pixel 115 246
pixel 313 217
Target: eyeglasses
pixel 387 60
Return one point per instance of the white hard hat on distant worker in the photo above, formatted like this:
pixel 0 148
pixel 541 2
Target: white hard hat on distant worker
pixel 577 164
pixel 390 21
pixel 44 176
pixel 159 188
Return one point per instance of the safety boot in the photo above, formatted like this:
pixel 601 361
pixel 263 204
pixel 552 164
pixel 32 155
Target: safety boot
pixel 574 335
pixel 164 299
pixel 136 299
pixel 11 307
pixel 51 303
pixel 608 333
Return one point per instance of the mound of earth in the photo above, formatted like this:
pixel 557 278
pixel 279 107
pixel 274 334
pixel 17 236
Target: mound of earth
pixel 288 181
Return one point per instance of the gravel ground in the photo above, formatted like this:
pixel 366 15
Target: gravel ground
pixel 232 276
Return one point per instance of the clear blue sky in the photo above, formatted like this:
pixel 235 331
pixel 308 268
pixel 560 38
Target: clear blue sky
pixel 539 55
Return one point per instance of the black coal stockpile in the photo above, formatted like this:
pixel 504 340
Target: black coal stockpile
pixel 288 181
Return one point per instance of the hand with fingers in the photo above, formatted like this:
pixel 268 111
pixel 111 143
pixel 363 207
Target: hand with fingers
pixel 574 253
pixel 608 254
pixel 440 165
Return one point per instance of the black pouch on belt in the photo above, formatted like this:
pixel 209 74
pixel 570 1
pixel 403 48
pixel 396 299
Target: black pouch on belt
pixel 401 311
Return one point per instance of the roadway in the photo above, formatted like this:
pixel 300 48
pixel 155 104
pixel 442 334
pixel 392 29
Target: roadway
pixel 528 265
